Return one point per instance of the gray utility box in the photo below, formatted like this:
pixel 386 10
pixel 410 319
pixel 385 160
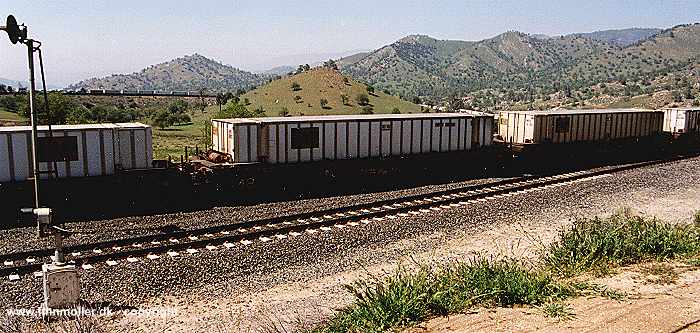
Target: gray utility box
pixel 61 286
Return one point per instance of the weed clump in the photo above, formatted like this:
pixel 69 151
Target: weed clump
pixel 595 245
pixel 558 310
pixel 406 298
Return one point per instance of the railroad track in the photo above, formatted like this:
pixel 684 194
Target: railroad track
pixel 152 247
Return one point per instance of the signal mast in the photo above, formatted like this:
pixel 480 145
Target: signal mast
pixel 60 280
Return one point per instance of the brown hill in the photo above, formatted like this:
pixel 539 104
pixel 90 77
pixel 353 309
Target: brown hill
pixel 189 73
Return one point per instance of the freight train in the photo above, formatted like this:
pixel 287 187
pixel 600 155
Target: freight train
pixel 247 151
pixel 126 92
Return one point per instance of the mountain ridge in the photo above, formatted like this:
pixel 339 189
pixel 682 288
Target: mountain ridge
pixel 190 72
pixel 420 65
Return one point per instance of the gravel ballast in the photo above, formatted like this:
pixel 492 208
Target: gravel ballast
pixel 259 266
pixel 24 239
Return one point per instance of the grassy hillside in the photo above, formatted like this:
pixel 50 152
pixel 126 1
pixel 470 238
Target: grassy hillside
pixel 316 84
pixel 6 115
pixel 10 118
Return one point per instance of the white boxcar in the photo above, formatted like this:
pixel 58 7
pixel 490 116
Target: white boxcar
pixel 568 126
pixel 313 138
pixel 682 120
pixel 80 150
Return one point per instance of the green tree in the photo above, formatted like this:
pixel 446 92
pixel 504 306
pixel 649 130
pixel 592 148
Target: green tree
pixel 80 115
pixel 182 118
pixel 236 110
pixel 688 92
pixel 60 107
pixel 259 111
pixel 162 119
pixel 370 89
pixel 12 103
pixel 205 134
pixel 331 64
pixel 222 99
pixel 362 99
pixel 177 106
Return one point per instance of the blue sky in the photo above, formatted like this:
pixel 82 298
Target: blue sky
pixel 85 38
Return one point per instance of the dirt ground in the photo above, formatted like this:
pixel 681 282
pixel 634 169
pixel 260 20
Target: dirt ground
pixel 647 307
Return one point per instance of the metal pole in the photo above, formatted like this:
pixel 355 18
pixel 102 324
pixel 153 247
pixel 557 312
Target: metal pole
pixel 53 167
pixel 32 116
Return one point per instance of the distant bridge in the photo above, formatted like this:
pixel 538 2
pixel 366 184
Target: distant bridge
pixel 112 92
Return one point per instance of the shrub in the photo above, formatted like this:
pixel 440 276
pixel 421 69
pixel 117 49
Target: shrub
pixel 367 110
pixel 396 111
pixel 295 86
pixel 324 103
pixel 362 99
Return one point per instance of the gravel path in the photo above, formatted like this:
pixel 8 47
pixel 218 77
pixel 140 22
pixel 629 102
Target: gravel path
pixel 241 274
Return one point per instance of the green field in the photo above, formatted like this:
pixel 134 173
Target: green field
pixel 173 140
